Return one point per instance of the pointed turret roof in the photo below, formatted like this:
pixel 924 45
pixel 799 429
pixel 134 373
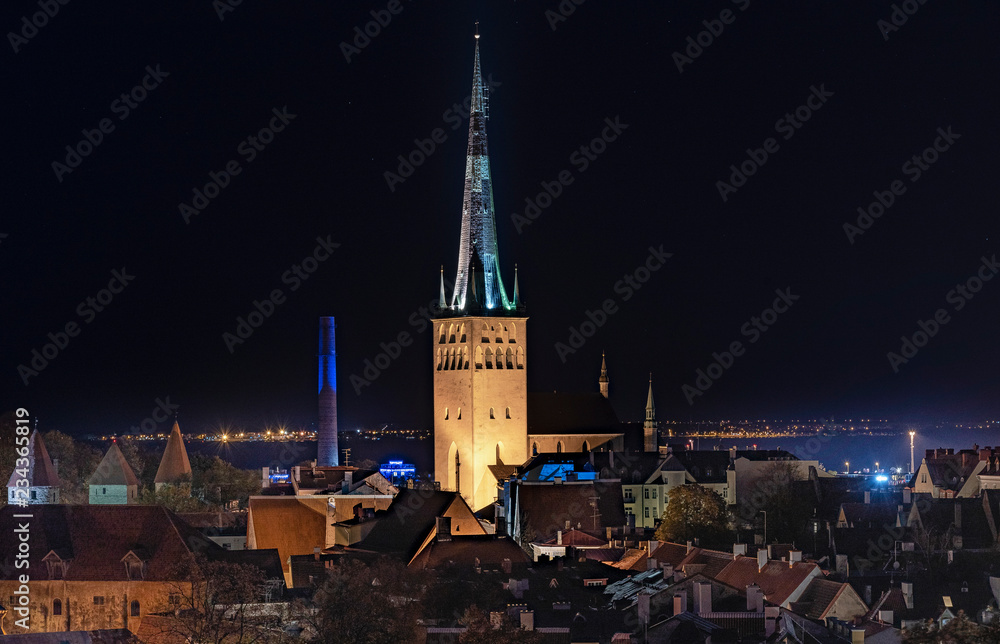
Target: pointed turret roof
pixel 41 472
pixel 174 466
pixel 604 369
pixel 650 407
pixel 479 237
pixel 113 470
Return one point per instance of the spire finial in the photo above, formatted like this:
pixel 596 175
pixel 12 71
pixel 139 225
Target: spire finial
pixel 477 30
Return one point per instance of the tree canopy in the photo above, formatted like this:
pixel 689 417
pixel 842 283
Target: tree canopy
pixel 694 511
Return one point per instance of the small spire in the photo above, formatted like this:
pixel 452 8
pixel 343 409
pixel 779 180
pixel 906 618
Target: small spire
pixel 477 30
pixel 603 381
pixel 441 302
pixel 650 407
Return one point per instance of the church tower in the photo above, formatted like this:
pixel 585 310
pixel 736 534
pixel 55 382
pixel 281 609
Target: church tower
pixel 650 437
pixel 480 386
pixel 603 381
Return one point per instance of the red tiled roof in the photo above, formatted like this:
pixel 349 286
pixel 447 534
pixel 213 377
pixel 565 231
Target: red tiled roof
pixel 41 472
pixel 777 580
pixel 488 551
pixel 94 539
pixel 672 553
pixel 578 539
pixel 174 466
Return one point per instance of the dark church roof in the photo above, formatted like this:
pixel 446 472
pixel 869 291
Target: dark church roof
pixel 559 413
pixel 113 470
pixel 593 506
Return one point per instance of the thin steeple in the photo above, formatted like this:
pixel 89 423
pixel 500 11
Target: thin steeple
pixel 479 237
pixel 441 298
pixel 650 433
pixel 603 381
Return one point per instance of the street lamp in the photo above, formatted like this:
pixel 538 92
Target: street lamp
pixel 847 464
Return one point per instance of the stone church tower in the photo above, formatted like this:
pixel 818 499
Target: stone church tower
pixel 480 386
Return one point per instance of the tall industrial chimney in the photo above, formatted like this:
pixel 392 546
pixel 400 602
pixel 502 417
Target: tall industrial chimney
pixel 328 453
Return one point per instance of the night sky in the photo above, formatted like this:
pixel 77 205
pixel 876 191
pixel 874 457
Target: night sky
pixel 846 101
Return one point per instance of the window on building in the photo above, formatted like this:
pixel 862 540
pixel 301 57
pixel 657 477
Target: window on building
pixel 134 608
pixel 98 600
pixel 508 413
pixel 491 414
pixel 923 479
pixel 34 495
pixel 104 490
pixel 654 492
pixel 645 494
pixel 645 512
pixel 57 607
pixel 174 599
pixel 708 471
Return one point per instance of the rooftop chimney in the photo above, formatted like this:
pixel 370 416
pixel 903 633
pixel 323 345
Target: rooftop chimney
pixel 755 599
pixel 558 537
pixel 327 450
pixel 689 546
pixel 316 552
pixel 297 473
pixel 761 559
pixel 702 598
pixel 739 549
pixel 265 476
pixel 907 588
pixel 680 602
pixel 527 620
pixel 793 556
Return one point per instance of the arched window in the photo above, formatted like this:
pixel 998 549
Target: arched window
pixel 586 446
pixel 57 607
pixel 520 358
pixel 508 413
pixel 461 332
pixel 451 333
pixel 464 358
pixel 451 358
pixel 534 449
pixel 510 358
pixel 486 332
pixel 512 332
pixel 499 358
pixel 498 332
pixel 559 446
pixel 459 417
pixel 489 358
pixel 479 357
pixel 446 413
pixel 505 334
pixel 491 414
pixel 439 362
pixel 134 608
pixel 441 333
pixel 499 454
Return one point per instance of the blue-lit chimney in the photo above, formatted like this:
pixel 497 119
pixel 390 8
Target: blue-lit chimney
pixel 328 453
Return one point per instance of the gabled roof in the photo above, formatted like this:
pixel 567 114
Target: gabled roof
pixel 819 597
pixel 869 515
pixel 486 551
pixel 412 519
pixel 778 580
pixel 578 539
pixel 41 472
pixel 174 466
pixel 113 470
pixel 561 413
pixel 548 507
pixel 94 539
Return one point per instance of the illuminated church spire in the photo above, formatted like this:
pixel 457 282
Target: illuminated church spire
pixel 479 235
pixel 649 431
